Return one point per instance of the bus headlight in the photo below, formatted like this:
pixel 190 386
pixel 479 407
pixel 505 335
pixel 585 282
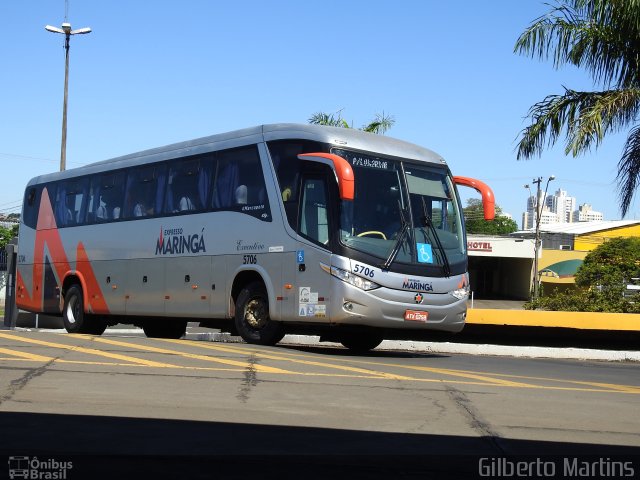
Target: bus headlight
pixel 461 293
pixel 352 279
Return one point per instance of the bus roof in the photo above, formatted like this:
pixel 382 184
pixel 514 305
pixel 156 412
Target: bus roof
pixel 342 137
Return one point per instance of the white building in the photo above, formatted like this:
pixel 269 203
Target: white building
pixel 529 217
pixel 586 214
pixel 558 208
pixel 562 205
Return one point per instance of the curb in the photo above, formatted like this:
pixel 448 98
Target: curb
pixel 569 353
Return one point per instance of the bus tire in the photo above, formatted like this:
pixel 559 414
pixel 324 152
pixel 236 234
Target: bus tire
pixel 360 342
pixel 252 316
pixel 73 315
pixel 164 328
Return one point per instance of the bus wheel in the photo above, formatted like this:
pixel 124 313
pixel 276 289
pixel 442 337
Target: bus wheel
pixel 74 318
pixel 252 317
pixel 360 342
pixel 164 328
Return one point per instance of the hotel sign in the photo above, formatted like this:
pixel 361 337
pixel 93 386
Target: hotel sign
pixel 499 247
pixel 479 246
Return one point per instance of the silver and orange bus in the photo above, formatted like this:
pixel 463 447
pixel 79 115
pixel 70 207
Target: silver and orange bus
pixel 264 231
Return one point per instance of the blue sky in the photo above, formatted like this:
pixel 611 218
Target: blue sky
pixel 154 73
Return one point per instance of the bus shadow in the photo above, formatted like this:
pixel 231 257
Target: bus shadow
pixel 345 352
pixel 121 447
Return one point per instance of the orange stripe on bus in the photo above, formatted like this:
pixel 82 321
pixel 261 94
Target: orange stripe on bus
pixel 47 234
pixel 96 302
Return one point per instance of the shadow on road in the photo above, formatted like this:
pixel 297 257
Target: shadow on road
pixel 344 352
pixel 548 337
pixel 118 447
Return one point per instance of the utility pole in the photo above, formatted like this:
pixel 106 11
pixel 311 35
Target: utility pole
pixel 538 217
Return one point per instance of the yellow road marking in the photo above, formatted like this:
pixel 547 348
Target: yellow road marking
pixel 611 386
pixel 482 378
pixel 270 356
pixel 606 386
pixel 457 373
pixel 25 355
pixel 486 379
pixel 90 351
pixel 235 363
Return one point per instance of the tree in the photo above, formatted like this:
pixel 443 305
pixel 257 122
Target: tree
pixel 475 222
pixel 603 37
pixel 6 234
pixel 379 125
pixel 600 281
pixel 614 262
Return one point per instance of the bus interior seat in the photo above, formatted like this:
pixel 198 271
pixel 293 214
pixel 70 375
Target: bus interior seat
pixel 241 195
pixel 185 204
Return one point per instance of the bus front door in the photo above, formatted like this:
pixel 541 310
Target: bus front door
pixel 313 281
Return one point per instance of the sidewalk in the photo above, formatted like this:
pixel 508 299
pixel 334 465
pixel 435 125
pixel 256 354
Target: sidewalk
pixel 496 304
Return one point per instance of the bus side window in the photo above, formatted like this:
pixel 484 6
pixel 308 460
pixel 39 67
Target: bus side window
pixel 60 206
pixel 188 186
pixel 94 209
pixel 31 206
pixel 239 183
pixel 145 191
pixel 110 193
pixel 70 202
pixel 284 155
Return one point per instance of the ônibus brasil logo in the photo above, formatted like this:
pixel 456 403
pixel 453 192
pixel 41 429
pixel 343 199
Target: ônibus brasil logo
pixel 172 241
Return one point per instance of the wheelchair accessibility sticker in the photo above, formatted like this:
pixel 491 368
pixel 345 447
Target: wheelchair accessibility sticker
pixel 425 254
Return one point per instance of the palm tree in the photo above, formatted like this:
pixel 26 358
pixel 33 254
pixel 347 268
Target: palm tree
pixel 380 124
pixel 603 37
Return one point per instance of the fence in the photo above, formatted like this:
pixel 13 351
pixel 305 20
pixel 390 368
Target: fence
pixel 3 260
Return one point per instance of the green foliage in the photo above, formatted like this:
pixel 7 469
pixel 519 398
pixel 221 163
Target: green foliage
pixel 609 300
pixel 602 37
pixel 379 125
pixel 601 281
pixel 614 262
pixel 6 234
pixel 329 119
pixel 475 222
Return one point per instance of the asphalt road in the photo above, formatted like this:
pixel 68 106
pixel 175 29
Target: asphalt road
pixel 82 395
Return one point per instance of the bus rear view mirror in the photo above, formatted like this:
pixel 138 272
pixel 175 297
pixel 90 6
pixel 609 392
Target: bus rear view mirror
pixel 341 168
pixel 488 200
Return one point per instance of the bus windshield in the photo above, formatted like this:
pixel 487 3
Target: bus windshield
pixel 402 212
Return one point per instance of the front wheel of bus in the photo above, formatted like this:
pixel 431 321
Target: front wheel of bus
pixel 74 318
pixel 252 317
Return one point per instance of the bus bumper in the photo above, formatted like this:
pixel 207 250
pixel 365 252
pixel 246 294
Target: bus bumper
pixel 397 309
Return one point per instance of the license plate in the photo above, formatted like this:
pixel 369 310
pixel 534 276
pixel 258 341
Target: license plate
pixel 416 316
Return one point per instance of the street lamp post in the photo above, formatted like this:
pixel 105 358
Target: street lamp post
pixel 67 32
pixel 538 217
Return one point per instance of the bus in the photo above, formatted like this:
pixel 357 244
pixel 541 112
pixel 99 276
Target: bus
pixel 264 231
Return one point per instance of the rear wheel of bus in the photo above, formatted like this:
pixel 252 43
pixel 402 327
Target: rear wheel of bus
pixel 74 317
pixel 252 316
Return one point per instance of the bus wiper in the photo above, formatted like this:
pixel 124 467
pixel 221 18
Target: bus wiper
pixel 429 223
pixel 404 228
